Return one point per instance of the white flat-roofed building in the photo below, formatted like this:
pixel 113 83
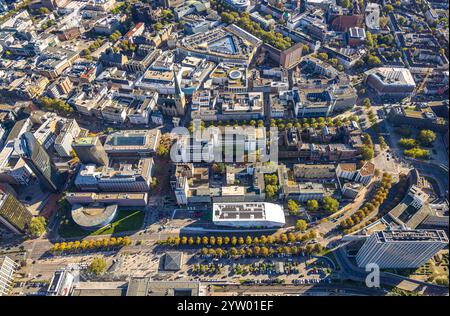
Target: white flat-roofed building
pixel 161 81
pixel 202 99
pixel 121 107
pixel 401 248
pixel 107 25
pixel 318 3
pixel 233 190
pixel 351 190
pixel 253 214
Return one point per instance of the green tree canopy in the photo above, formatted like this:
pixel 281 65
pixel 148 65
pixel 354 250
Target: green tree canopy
pixel 312 205
pixel 373 60
pixel 97 266
pixel 50 104
pixel 162 150
pixel 417 152
pixel 407 143
pixel 388 8
pixel 367 103
pixel 301 225
pixel 345 3
pixel 426 137
pixel 382 142
pixel 330 204
pixel 367 152
pixel 293 206
pixel 271 191
pixel 37 226
pixel 44 10
pixel 271 179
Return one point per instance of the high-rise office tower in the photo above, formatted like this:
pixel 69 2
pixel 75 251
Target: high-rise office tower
pixel 90 150
pixel 401 248
pixel 13 214
pixel 38 160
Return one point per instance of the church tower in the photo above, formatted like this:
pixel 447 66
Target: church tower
pixel 180 100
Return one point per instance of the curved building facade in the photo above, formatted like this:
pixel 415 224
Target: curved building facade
pixel 93 217
pixel 240 5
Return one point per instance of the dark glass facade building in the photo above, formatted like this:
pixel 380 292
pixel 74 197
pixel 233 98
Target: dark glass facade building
pixel 38 160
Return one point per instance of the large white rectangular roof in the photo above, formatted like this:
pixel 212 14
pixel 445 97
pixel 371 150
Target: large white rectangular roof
pixel 251 211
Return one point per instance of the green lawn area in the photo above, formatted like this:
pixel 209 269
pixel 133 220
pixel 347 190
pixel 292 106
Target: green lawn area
pixel 329 254
pixel 126 220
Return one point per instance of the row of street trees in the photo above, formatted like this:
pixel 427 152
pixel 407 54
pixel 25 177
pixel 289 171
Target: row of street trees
pixel 262 251
pixel 239 241
pixel 316 123
pixel 88 245
pixel 231 123
pixel 379 197
pixel 282 124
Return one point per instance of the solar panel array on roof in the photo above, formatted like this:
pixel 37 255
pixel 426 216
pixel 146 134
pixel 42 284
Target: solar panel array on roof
pixel 240 211
pixel 357 32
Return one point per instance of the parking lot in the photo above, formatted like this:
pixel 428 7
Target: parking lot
pixel 295 270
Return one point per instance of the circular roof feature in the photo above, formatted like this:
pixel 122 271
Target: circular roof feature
pixel 94 216
pixel 235 74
